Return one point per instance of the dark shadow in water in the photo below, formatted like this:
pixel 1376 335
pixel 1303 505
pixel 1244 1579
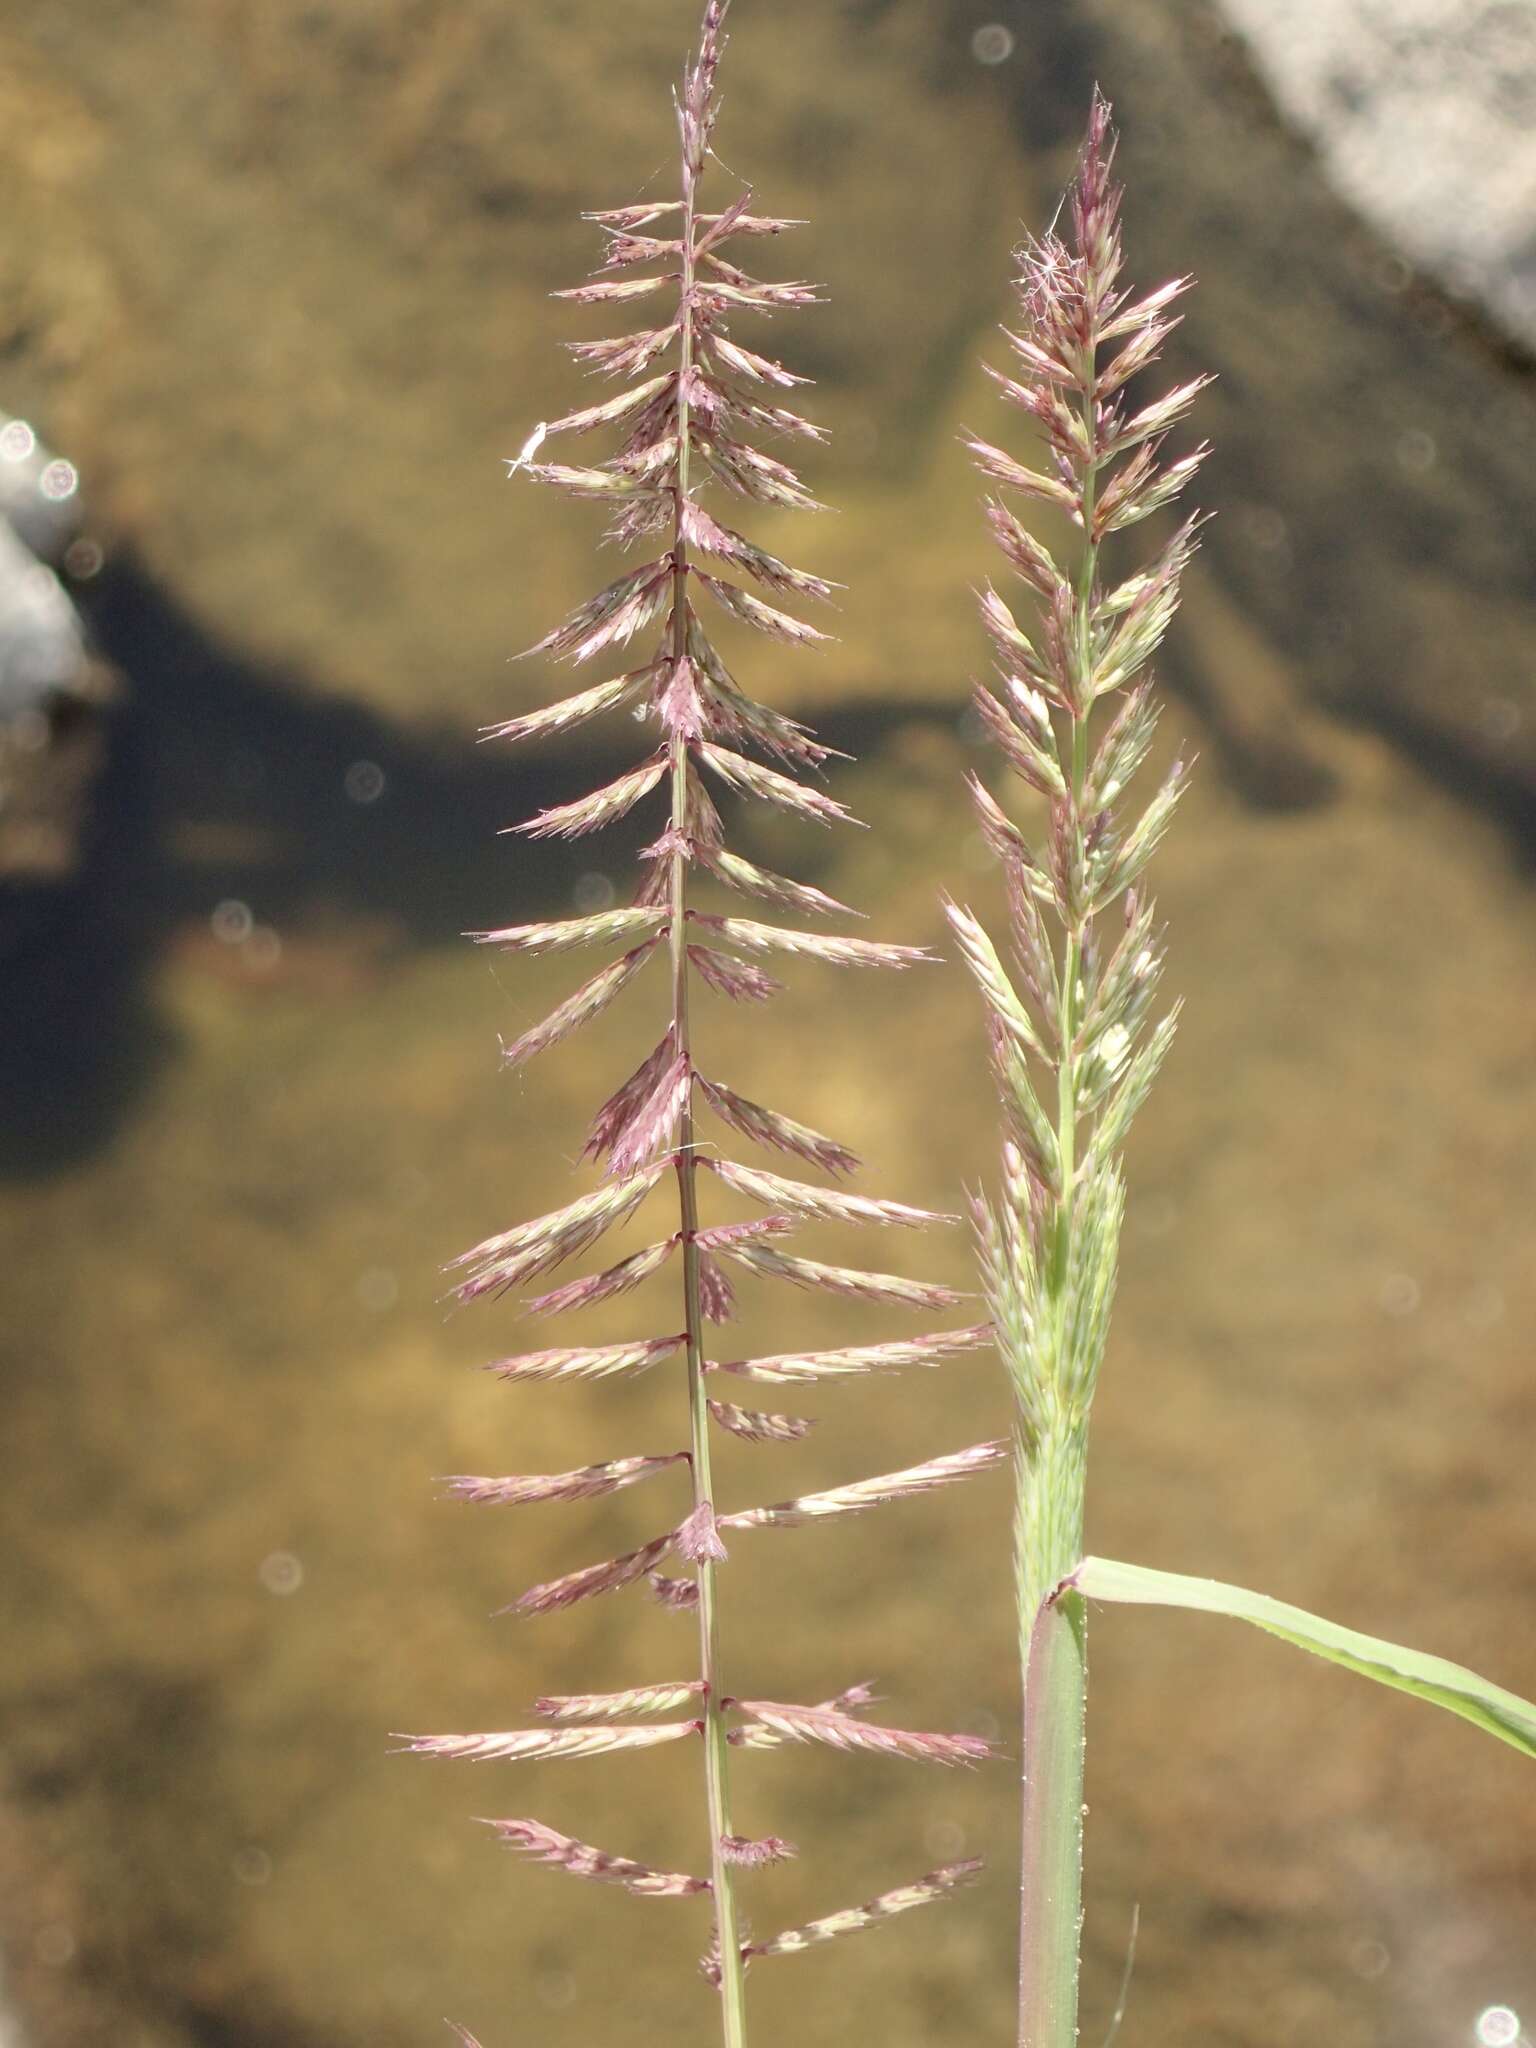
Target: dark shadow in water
pixel 228 782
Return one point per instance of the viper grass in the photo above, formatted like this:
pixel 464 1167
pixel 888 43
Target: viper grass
pixel 1075 1045
pixel 693 397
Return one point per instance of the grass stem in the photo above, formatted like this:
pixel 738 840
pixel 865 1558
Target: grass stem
pixel 716 1750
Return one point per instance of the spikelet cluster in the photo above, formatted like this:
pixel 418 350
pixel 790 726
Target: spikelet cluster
pixel 693 401
pixel 1074 1044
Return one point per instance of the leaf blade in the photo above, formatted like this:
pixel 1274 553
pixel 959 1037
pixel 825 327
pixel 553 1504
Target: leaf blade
pixel 1435 1679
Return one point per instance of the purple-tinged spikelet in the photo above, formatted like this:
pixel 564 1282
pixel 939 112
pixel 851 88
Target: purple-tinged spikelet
pixel 831 1205
pixel 717 1297
pixel 923 1891
pixel 587 1002
pixel 691 399
pixel 750 1855
pixel 699 1537
pixel 588 1482
pixel 564 933
pixel 610 1706
pixel 518 1744
pixel 757 1427
pixel 682 1595
pixel 870 1493
pixel 843 1731
pixel 788 1367
pixel 595 1287
pixel 592 1362
pixel 890 1290
pixel 770 1127
pixel 853 1699
pixel 592 1579
pixel 580 1859
pixel 728 976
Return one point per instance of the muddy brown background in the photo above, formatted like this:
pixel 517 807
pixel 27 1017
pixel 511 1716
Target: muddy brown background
pixel 275 278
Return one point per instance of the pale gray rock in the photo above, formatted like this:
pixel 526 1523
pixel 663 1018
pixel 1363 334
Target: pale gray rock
pixel 1424 115
pixel 11 2035
pixel 52 688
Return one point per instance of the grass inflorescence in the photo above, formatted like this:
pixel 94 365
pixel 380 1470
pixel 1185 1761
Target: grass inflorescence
pixel 686 429
pixel 1071 1005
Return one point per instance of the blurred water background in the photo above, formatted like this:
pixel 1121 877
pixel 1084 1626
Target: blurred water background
pixel 274 277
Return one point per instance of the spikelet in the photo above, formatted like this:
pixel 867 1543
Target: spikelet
pixel 624 355
pixel 744 718
pixel 770 1127
pixel 698 1539
pixel 655 1124
pixel 753 937
pixel 722 1236
pixel 870 1493
pixel 717 1297
pixel 728 976
pixel 563 933
pixel 681 1595
pixel 613 1280
pixel 623 1105
pixel 853 1699
pixel 590 1362
pixel 612 1706
pixel 831 1205
pixel 529 1249
pixel 759 1428
pixel 752 880
pixel 923 1891
pixel 843 1731
pixel 580 1859
pixel 588 1482
pixel 688 400
pixel 740 772
pixel 571 712
pixel 889 1290
pixel 516 1745
pixel 592 1579
pixel 600 807
pixel 787 1368
pixel 613 617
pixel 587 1002
pixel 752 1855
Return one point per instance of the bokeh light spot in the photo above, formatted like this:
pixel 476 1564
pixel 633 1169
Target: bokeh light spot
pixel 60 480
pixel 232 922
pixel 1498 2026
pixel 992 43
pixel 251 1865
pixel 364 782
pixel 17 441
pixel 281 1572
pixel 1399 1295
pixel 592 892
